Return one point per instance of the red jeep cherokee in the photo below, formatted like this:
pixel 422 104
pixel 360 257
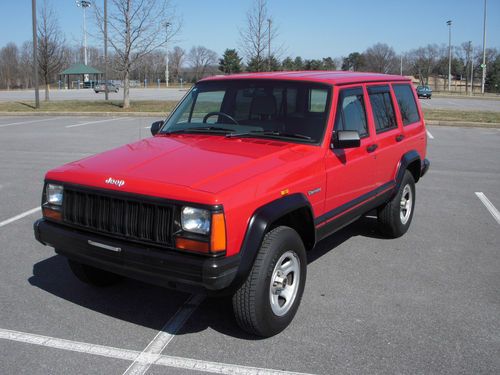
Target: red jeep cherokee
pixel 247 173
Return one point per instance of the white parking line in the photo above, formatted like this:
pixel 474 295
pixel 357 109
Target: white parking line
pixel 131 355
pixel 430 135
pixel 20 216
pixel 26 122
pixel 92 122
pixel 489 206
pixel 163 338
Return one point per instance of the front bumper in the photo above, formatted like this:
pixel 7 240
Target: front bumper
pixel 167 268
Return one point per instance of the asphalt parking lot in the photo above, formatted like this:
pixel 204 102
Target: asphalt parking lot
pixel 427 303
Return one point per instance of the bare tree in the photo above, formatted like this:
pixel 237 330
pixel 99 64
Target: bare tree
pixel 176 59
pixel 258 37
pixel 50 46
pixel 9 56
pixel 380 58
pixel 423 61
pixel 26 64
pixel 201 59
pixel 135 29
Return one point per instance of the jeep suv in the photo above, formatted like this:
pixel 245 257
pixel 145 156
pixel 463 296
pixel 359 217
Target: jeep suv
pixel 243 178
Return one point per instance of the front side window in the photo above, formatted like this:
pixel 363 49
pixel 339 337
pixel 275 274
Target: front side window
pixel 291 111
pixel 350 113
pixel 383 111
pixel 406 103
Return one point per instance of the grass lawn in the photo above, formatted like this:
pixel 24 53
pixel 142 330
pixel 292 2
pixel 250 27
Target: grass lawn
pixel 163 107
pixel 462 116
pixel 89 106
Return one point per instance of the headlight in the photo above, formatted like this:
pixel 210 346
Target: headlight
pixel 54 194
pixel 195 220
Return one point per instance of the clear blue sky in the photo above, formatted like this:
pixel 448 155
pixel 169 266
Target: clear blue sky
pixel 311 29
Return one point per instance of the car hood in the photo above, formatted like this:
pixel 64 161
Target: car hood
pixel 180 164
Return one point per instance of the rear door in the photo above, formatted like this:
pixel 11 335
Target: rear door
pixel 388 132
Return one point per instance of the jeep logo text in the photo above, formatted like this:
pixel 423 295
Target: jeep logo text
pixel 112 181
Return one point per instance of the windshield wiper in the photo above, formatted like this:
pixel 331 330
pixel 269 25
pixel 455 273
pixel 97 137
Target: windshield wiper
pixel 203 129
pixel 273 134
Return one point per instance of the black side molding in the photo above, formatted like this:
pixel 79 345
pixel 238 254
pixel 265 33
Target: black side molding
pixel 260 223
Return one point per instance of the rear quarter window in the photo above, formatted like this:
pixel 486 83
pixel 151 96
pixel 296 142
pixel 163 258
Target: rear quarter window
pixel 406 103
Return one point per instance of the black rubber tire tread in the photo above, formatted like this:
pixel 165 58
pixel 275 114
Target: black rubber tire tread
pixel 388 215
pixel 246 303
pixel 93 276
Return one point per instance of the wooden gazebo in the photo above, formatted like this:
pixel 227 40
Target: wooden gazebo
pixel 79 71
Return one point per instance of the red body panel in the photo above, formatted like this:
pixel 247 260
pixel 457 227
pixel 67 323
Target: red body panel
pixel 244 174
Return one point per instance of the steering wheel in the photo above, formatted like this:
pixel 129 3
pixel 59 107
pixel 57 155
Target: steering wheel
pixel 210 114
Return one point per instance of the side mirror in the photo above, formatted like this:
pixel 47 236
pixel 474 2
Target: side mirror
pixel 346 139
pixel 155 127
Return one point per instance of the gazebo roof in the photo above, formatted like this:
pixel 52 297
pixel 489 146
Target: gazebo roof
pixel 78 69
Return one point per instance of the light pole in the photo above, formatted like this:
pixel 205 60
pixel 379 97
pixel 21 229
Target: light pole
pixel 167 24
pixel 269 45
pixel 483 65
pixel 35 54
pixel 106 94
pixel 84 4
pixel 449 54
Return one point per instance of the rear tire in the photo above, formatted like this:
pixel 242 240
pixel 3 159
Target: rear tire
pixel 270 297
pixel 93 276
pixel 395 216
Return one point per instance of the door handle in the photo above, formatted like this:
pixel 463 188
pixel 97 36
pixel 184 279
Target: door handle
pixel 372 148
pixel 399 137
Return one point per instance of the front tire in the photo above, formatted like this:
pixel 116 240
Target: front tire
pixel 395 217
pixel 93 276
pixel 270 297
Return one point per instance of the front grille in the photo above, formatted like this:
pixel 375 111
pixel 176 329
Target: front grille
pixel 117 216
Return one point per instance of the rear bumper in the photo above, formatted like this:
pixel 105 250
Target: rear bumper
pixel 167 268
pixel 424 167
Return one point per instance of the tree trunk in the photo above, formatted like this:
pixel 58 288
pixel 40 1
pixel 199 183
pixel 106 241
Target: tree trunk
pixel 47 95
pixel 126 89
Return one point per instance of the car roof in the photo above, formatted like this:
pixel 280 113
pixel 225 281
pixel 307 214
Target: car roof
pixel 320 76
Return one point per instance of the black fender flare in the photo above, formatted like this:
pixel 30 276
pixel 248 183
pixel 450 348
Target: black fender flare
pixel 407 159
pixel 260 222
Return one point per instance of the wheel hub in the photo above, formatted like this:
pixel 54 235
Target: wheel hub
pixel 279 283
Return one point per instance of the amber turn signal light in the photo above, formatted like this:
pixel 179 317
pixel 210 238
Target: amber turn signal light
pixel 191 245
pixel 218 237
pixel 52 214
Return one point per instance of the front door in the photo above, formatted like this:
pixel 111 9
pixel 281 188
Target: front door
pixel 351 173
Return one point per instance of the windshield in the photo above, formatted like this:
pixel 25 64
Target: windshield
pixel 290 111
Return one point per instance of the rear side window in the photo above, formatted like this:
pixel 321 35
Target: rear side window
pixel 383 111
pixel 351 113
pixel 406 103
pixel 317 100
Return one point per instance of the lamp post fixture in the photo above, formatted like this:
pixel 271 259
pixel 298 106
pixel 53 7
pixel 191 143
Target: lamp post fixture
pixel 449 54
pixel 167 25
pixel 84 4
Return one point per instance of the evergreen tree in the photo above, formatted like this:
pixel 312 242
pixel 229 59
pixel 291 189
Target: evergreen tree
pixel 230 62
